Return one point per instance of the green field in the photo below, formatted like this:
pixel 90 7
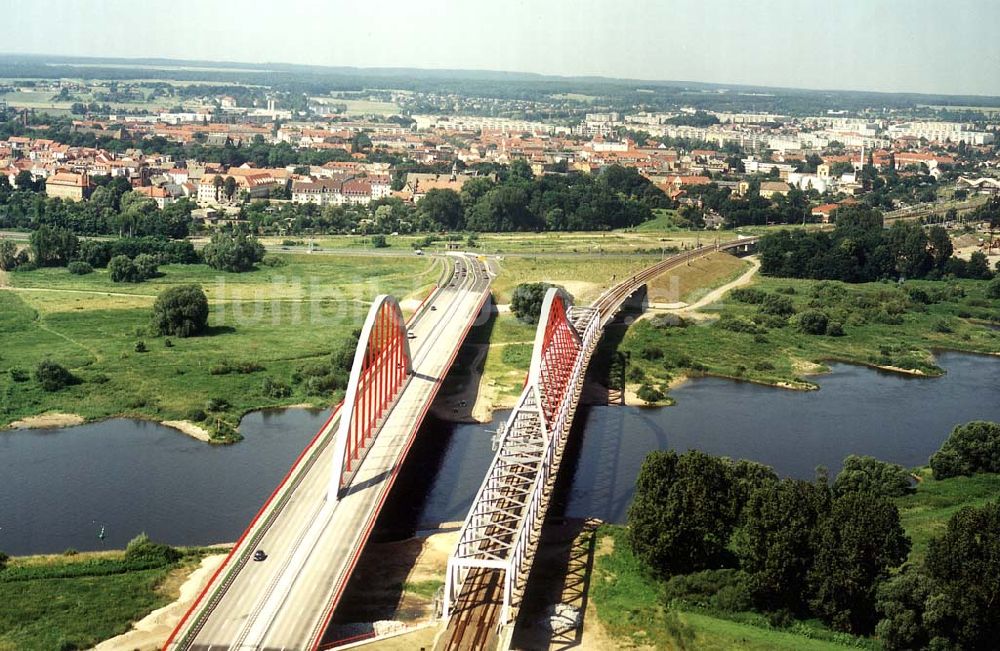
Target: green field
pixel 779 353
pixel 73 602
pixel 925 513
pixel 628 602
pixel 279 318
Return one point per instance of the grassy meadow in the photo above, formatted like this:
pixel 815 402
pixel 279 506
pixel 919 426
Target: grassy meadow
pixel 75 601
pixel 275 318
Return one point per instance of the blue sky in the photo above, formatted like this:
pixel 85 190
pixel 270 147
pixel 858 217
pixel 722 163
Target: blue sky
pixel 884 45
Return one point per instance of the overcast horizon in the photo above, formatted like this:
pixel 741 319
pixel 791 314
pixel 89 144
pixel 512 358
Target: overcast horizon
pixel 893 46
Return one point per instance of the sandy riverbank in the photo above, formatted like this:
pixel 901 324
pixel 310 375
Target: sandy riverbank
pixel 50 420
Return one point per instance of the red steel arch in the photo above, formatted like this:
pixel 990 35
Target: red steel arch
pixel 557 345
pixel 382 366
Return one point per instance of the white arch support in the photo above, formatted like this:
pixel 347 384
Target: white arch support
pixel 382 365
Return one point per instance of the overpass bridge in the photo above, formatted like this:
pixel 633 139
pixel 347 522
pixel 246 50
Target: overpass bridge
pixel 488 572
pixel 315 524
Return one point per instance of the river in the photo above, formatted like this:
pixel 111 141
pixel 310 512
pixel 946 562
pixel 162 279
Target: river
pixel 58 488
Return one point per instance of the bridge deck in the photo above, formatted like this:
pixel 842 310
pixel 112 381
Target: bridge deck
pixel 313 543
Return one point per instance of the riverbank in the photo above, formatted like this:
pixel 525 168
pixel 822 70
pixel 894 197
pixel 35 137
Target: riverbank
pixel 884 326
pixel 76 600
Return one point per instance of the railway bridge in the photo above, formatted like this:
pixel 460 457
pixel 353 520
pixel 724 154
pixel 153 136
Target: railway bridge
pixel 488 572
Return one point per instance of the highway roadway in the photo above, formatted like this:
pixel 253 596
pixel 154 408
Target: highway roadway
pixel 312 542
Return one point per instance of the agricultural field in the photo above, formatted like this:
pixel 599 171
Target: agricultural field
pixel 265 326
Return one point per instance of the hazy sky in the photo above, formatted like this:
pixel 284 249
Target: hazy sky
pixel 887 45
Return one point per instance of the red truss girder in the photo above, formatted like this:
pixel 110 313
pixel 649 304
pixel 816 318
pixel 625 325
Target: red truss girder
pixel 560 348
pixel 382 377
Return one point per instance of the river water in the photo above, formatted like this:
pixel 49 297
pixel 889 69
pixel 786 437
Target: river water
pixel 58 488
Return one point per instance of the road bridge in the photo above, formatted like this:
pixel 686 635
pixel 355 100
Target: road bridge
pixel 314 526
pixel 488 572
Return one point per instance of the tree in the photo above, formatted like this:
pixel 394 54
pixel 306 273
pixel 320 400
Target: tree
pixel 53 376
pixel 236 251
pixel 526 301
pixel 121 269
pixel 230 188
pixel 901 601
pixel 775 542
pixel 970 448
pixel 96 253
pixel 940 245
pixel 8 255
pixel 146 266
pixel 25 181
pixel 861 473
pixel 682 514
pixel 857 544
pixel 965 566
pixel 53 246
pixel 217 183
pixel 978 267
pixel 181 311
pixel 441 209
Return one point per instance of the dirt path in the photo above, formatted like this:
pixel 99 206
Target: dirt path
pixel 150 632
pixel 719 292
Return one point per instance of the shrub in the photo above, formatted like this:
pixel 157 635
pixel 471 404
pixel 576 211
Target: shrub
pixel 53 376
pixel 25 266
pixel 273 261
pixel 723 589
pixel 276 388
pixel 196 415
pixel 943 327
pixel 141 548
pixel 970 448
pixel 96 253
pixel 813 323
pixel 216 404
pixel 835 329
pixel 777 305
pixel 379 242
pixel 79 267
pixel 242 368
pixel 649 394
pixel 4 557
pixel 122 269
pixel 19 375
pixel 181 311
pixel 750 295
pixel 993 289
pixel 140 346
pixel 146 265
pixel 651 352
pixel 740 324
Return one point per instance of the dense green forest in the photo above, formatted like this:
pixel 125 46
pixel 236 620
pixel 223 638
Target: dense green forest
pixel 861 249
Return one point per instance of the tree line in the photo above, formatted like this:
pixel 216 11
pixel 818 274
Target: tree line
pixel 860 249
pixel 798 549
